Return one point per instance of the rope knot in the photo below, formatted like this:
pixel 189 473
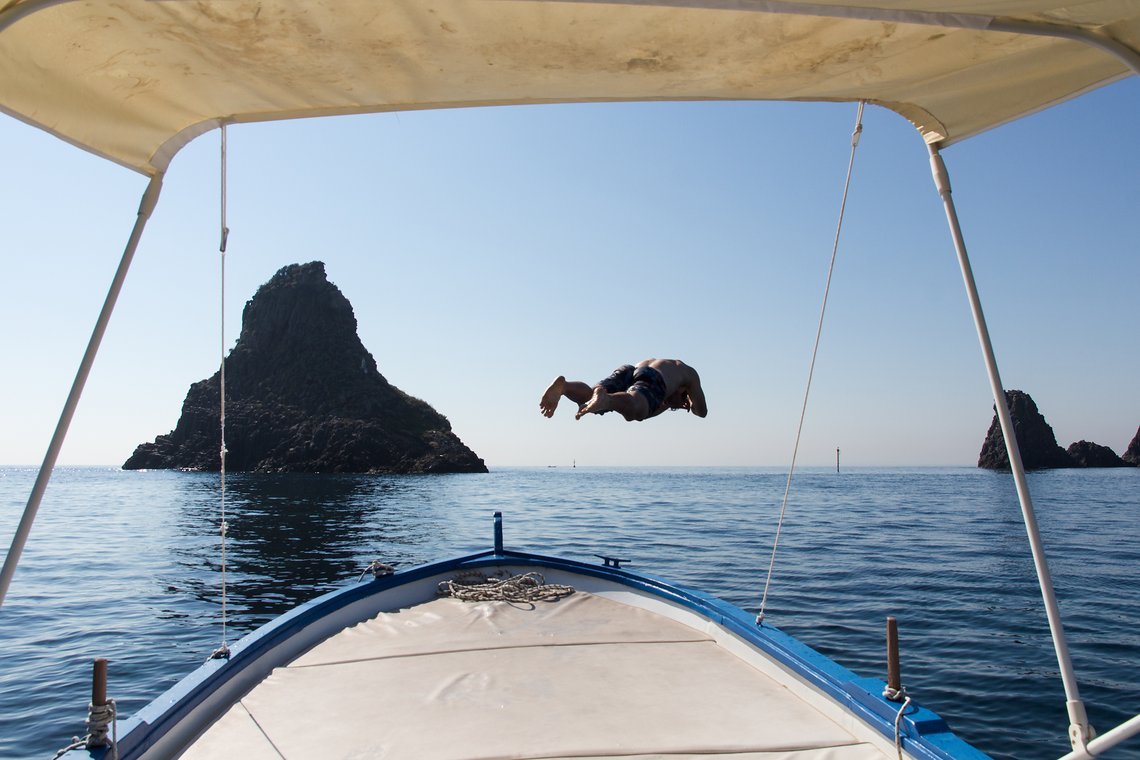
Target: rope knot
pixel 895 695
pixel 99 718
pixel 378 570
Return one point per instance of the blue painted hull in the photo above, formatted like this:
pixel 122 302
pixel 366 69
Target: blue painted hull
pixel 165 726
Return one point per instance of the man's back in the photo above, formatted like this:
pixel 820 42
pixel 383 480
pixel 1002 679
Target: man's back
pixel 682 386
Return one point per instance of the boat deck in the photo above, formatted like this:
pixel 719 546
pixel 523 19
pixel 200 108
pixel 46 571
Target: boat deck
pixel 582 677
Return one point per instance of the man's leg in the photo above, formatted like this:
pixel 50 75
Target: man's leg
pixel 628 404
pixel 574 390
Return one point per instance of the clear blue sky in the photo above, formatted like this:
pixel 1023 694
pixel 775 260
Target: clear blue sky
pixel 487 251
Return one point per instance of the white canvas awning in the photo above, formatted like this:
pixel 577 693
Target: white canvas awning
pixel 135 80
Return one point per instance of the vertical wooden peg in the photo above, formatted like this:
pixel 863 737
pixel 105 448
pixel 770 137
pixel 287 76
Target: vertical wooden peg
pixel 99 682
pixel 894 676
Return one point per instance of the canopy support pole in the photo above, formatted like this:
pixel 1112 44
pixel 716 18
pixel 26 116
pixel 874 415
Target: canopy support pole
pixel 1079 730
pixel 1107 741
pixel 146 207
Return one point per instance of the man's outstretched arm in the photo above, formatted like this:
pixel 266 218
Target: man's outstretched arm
pixel 697 403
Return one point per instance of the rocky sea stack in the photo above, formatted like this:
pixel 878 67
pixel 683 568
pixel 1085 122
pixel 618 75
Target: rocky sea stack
pixel 1089 454
pixel 304 395
pixel 1132 453
pixel 1038 445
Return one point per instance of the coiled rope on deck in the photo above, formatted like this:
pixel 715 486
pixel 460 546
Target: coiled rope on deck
pixel 815 350
pixel 525 588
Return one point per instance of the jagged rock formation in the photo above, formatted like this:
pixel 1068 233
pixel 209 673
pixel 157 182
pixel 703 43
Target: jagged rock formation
pixel 1132 453
pixel 1088 454
pixel 304 395
pixel 1035 438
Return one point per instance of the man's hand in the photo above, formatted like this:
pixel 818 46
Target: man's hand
pixel 680 401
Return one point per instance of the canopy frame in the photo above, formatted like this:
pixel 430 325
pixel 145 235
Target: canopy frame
pixel 146 208
pixel 1080 733
pixel 1124 51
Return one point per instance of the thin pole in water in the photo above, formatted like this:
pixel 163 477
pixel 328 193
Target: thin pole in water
pixel 837 459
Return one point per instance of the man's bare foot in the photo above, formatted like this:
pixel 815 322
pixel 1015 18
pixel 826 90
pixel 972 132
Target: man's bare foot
pixel 552 396
pixel 598 403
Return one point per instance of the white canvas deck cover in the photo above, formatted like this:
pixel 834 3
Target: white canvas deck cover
pixel 585 677
pixel 135 80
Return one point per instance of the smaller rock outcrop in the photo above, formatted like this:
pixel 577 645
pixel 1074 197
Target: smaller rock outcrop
pixel 1089 454
pixel 1132 453
pixel 1035 438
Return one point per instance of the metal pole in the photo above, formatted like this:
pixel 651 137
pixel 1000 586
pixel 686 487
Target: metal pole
pixel 1107 741
pixel 149 199
pixel 99 682
pixel 894 672
pixel 1078 720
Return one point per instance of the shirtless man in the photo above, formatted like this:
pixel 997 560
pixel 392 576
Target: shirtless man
pixel 636 393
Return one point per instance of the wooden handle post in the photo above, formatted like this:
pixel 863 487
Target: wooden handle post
pixel 99 682
pixel 894 677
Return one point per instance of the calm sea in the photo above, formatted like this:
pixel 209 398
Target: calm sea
pixel 125 565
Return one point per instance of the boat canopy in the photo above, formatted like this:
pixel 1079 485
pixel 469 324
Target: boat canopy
pixel 135 80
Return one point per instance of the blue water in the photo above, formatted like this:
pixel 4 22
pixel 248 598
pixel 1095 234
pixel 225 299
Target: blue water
pixel 125 565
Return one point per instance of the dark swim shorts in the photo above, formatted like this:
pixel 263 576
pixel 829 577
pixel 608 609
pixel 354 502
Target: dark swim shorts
pixel 619 380
pixel 649 383
pixel 643 380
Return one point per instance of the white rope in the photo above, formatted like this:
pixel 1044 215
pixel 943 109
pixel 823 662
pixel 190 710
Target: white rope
pixel 528 587
pixel 898 720
pixel 77 744
pixel 378 569
pixel 99 717
pixel 224 650
pixel 815 350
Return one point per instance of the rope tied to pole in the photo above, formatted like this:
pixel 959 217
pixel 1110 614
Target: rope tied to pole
pixel 526 588
pixel 101 720
pixel 378 569
pixel 814 352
